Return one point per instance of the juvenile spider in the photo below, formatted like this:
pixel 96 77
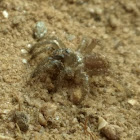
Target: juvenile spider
pixel 63 67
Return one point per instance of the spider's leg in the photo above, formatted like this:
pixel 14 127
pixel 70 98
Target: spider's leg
pixel 49 66
pixel 45 49
pixel 50 45
pixel 85 82
pixel 52 40
pixel 82 78
pixel 48 49
pixel 57 42
pixel 38 44
pixel 60 79
pixel 82 45
pixel 42 66
pixel 87 45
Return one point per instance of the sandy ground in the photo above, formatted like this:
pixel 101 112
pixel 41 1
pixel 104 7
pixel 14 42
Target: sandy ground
pixel 114 98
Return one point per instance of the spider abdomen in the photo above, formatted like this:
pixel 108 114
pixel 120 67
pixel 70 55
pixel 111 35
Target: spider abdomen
pixel 95 64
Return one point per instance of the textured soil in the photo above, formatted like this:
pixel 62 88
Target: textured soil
pixel 115 98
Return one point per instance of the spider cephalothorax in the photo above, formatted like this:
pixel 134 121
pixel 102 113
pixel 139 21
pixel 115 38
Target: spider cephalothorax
pixel 62 65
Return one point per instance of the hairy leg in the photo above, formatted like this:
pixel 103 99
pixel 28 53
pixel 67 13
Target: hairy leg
pixel 82 79
pixel 49 66
pixel 50 40
pixel 87 45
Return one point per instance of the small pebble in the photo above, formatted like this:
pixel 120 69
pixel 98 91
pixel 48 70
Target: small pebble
pixel 42 120
pixel 93 27
pixel 76 96
pixel 21 119
pixel 132 102
pixel 105 36
pixel 5 14
pixel 114 22
pixel 110 132
pixel 56 42
pixel 24 51
pixel 125 30
pixel 98 11
pixel 74 121
pixel 4 111
pixel 29 46
pixel 57 118
pixel 53 33
pixel 40 30
pixel 70 37
pixel 102 123
pixel 91 10
pixel 24 61
pixel 48 109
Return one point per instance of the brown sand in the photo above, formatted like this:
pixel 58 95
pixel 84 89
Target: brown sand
pixel 117 100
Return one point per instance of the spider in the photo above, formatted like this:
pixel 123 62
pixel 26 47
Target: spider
pixel 62 66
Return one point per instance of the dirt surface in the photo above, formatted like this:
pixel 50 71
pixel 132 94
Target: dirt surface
pixel 30 111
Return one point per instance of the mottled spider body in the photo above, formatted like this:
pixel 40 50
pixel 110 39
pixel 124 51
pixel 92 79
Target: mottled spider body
pixel 62 65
